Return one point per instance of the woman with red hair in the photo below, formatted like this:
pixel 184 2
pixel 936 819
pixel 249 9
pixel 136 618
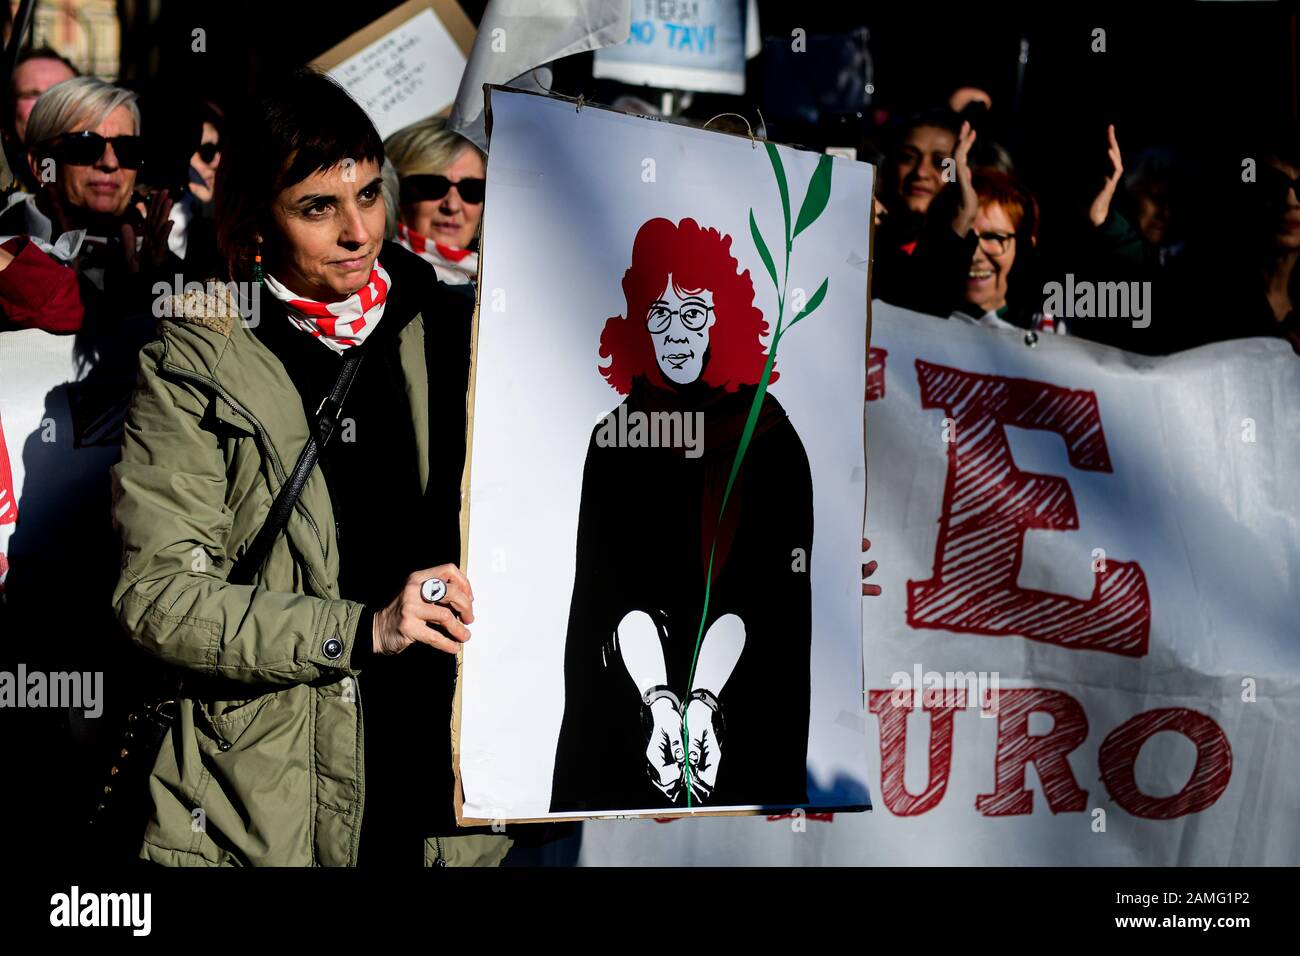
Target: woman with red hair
pixel 670 700
pixel 1000 287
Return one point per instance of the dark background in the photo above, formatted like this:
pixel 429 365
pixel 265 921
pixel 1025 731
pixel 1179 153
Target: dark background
pixel 1173 73
pixel 1204 78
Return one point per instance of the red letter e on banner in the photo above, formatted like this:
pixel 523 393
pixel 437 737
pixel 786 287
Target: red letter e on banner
pixel 989 504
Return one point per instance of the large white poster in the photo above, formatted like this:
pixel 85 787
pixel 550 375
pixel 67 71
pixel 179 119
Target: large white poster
pixel 667 472
pixel 1089 563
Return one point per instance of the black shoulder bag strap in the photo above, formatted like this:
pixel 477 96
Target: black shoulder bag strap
pixel 124 803
pixel 327 418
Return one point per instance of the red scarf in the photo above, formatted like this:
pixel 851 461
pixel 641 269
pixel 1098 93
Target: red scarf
pixel 454 266
pixel 338 325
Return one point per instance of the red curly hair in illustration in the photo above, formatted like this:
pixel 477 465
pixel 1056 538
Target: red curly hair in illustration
pixel 697 259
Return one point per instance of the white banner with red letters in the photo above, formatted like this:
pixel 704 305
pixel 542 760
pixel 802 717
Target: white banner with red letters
pixel 1087 648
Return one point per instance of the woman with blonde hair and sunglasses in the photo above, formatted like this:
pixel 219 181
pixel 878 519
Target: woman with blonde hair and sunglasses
pixel 440 203
pixel 85 151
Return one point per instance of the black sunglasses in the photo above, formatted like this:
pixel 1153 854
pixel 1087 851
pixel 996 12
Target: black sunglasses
pixel 425 188
pixel 1279 183
pixel 86 148
pixel 208 151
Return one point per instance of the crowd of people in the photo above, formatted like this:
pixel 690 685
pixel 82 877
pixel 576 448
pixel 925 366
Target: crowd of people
pixel 957 227
pixel 85 237
pixel 87 245
pixel 210 442
pixel 958 236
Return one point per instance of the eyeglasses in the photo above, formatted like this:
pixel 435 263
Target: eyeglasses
pixel 87 148
pixel 994 243
pixel 424 188
pixel 208 151
pixel 694 315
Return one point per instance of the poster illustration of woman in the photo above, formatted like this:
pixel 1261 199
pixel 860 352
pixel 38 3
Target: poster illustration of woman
pixel 667 704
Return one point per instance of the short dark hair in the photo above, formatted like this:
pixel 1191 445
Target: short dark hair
pixel 306 124
pixel 37 53
pixel 939 117
pixel 45 53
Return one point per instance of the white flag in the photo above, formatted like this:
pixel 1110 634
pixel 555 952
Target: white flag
pixel 516 38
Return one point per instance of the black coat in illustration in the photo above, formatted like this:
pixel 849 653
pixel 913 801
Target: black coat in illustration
pixel 648 518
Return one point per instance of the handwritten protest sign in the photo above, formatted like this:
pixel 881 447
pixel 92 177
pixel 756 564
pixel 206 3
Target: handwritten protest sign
pixel 407 65
pixel 697 45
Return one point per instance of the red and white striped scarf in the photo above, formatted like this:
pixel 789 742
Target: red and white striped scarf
pixel 454 266
pixel 338 325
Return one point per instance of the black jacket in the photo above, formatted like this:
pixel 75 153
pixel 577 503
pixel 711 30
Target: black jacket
pixel 645 530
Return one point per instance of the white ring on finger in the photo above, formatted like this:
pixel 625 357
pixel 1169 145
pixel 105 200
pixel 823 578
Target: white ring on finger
pixel 433 590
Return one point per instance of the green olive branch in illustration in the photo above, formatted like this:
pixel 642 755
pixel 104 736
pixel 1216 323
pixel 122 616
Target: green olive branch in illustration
pixel 814 203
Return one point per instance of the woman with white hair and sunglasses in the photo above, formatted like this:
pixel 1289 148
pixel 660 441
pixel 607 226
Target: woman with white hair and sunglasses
pixel 85 150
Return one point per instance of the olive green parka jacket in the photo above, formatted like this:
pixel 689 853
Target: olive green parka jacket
pixel 264 764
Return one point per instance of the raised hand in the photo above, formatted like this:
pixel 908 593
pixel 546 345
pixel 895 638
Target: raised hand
pixel 964 219
pixel 1100 207
pixel 157 226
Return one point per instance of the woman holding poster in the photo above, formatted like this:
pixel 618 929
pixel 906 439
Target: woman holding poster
pixel 355 601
